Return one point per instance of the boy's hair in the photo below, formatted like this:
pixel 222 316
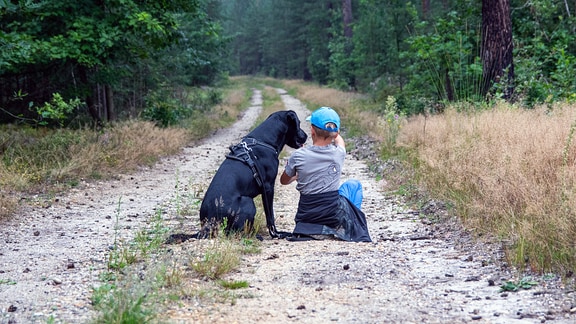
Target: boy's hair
pixel 324 133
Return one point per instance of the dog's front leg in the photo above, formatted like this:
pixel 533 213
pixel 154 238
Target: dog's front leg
pixel 267 203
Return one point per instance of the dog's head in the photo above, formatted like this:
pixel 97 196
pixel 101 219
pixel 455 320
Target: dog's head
pixel 279 129
pixel 295 136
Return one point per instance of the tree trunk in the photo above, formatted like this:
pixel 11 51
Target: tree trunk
pixel 89 99
pixel 496 50
pixel 425 9
pixel 449 89
pixel 347 18
pixel 110 103
pixel 348 42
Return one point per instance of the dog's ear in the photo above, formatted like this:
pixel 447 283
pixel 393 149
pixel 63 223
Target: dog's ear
pixel 294 118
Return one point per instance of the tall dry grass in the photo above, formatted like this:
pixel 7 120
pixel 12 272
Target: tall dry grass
pixel 46 157
pixel 510 172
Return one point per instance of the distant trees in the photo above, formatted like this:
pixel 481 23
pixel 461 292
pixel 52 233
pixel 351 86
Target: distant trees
pixel 433 51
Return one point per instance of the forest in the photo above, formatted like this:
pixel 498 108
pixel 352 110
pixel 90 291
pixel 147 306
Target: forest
pixel 67 63
pixel 475 98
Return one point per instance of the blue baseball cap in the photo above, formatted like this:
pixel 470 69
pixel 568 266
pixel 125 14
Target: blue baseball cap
pixel 322 116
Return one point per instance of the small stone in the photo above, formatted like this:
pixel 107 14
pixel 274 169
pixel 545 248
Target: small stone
pixel 12 308
pixel 70 265
pixel 36 233
pixel 301 307
pixel 346 267
pixel 476 317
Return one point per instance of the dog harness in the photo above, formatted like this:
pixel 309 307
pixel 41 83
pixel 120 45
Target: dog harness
pixel 243 152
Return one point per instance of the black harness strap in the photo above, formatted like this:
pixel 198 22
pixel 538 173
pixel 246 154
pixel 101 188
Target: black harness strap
pixel 243 152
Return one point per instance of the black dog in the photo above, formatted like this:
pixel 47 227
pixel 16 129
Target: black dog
pixel 248 171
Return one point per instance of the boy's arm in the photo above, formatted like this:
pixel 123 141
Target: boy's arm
pixel 286 179
pixel 339 141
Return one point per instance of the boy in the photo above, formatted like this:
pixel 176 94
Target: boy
pixel 325 208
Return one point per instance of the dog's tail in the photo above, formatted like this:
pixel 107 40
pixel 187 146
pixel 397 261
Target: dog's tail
pixel 181 238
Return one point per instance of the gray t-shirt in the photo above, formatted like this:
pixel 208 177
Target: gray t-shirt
pixel 318 168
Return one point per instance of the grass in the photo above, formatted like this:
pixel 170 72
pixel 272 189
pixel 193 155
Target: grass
pixel 219 259
pixel 510 173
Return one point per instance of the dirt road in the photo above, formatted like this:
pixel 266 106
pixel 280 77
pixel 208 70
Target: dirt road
pixel 53 253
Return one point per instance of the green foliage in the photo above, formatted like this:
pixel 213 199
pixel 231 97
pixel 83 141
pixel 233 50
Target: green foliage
pixel 168 110
pixel 163 110
pixel 544 74
pixel 545 52
pixel 378 33
pixel 422 59
pixel 341 64
pixel 445 59
pixel 524 283
pixel 57 110
pixel 233 284
pixel 393 119
pixel 197 58
pixel 79 48
pixel 123 306
pixel 7 282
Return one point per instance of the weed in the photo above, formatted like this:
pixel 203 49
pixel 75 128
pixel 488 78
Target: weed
pixel 220 259
pixel 99 294
pixel 120 255
pixel 7 282
pixel 108 276
pixel 249 246
pixel 524 283
pixel 233 284
pixel 169 276
pixel 123 306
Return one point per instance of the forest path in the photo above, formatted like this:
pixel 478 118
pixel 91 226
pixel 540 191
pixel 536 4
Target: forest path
pixel 54 252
